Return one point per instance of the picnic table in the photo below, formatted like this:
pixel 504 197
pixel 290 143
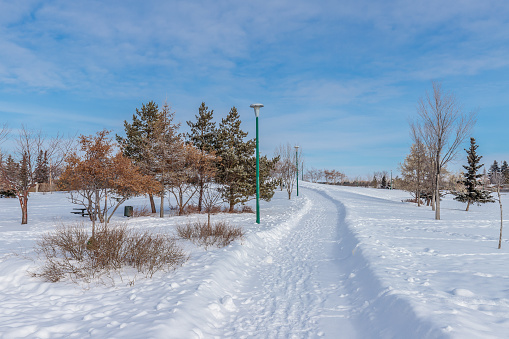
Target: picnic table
pixel 82 211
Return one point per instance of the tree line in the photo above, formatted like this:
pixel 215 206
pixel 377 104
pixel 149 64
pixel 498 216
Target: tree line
pixel 211 162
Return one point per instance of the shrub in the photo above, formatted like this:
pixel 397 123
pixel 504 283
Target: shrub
pixel 220 234
pixel 70 252
pixel 142 212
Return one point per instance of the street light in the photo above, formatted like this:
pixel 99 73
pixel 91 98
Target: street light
pixel 257 113
pixel 297 166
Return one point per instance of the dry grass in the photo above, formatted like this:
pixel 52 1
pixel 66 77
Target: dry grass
pixel 70 252
pixel 220 234
pixel 142 211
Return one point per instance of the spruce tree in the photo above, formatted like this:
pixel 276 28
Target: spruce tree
pixel 203 131
pixel 237 167
pixel 137 132
pixel 41 173
pixel 493 171
pixel 504 169
pixel 203 136
pixel 472 193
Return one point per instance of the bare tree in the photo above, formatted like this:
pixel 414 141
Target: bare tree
pixel 498 179
pixel 211 199
pixel 17 171
pixel 287 166
pixel 442 126
pixel 4 131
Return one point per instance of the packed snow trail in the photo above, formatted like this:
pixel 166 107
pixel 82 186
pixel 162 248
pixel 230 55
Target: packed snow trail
pixel 297 291
pixel 305 278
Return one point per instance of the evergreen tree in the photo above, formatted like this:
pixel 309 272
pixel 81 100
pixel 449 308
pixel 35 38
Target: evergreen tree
pixel 203 131
pixel 384 182
pixel 472 193
pixel 504 169
pixel 41 170
pixel 237 167
pixel 203 137
pixel 493 171
pixel 137 133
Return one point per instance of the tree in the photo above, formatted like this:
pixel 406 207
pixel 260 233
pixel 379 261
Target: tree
pixel 163 151
pixel 17 172
pixel 287 170
pixel 442 127
pixel 41 168
pixel 138 134
pixel 4 132
pixel 493 172
pixel 498 179
pixel 236 171
pixel 414 170
pixel 101 180
pixel 504 169
pixel 472 194
pixel 203 136
pixel 185 179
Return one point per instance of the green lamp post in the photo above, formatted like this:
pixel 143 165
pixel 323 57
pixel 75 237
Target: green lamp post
pixel 297 166
pixel 257 113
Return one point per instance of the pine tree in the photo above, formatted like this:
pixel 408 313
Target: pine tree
pixel 237 167
pixel 470 179
pixel 504 169
pixel 203 136
pixel 41 173
pixel 493 171
pixel 137 132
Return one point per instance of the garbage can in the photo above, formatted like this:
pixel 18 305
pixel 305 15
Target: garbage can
pixel 128 211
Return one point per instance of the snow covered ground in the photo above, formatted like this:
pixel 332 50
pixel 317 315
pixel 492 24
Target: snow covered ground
pixel 335 262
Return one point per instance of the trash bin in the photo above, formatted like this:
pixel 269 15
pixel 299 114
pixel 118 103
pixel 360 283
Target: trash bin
pixel 128 211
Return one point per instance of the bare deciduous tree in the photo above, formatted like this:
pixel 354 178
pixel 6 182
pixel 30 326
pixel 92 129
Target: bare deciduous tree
pixel 287 167
pixel 17 171
pixel 442 126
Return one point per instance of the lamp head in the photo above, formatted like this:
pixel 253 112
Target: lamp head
pixel 256 109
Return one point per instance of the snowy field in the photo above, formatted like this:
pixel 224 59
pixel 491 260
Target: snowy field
pixel 336 262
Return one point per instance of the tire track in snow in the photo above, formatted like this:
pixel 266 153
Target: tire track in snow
pixel 297 291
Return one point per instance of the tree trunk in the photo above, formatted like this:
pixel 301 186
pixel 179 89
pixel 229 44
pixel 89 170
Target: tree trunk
pixel 200 196
pixel 501 218
pixel 468 205
pixel 232 206
pixel 161 208
pixel 152 203
pixel 23 200
pixel 437 198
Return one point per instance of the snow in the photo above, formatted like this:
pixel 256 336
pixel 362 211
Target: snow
pixel 335 262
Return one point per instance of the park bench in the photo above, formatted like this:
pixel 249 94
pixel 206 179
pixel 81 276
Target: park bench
pixel 81 211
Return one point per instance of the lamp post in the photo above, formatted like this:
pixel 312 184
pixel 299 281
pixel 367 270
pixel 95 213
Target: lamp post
pixel 297 166
pixel 257 113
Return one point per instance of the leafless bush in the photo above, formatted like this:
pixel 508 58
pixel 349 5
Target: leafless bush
pixel 142 211
pixel 220 234
pixel 246 209
pixel 70 252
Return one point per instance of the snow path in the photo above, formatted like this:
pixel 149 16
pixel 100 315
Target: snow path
pixel 296 292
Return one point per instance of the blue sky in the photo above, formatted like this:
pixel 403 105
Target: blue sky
pixel 339 78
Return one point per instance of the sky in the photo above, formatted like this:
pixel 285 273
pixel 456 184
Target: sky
pixel 341 79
